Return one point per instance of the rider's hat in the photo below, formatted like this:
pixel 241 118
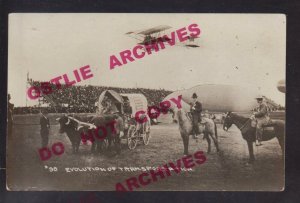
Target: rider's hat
pixel 259 98
pixel 194 96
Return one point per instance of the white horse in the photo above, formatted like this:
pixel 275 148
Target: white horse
pixel 208 128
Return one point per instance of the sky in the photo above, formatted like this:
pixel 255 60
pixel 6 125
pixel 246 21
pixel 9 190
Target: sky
pixel 235 49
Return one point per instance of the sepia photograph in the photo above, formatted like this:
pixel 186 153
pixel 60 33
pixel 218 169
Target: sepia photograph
pixel 146 102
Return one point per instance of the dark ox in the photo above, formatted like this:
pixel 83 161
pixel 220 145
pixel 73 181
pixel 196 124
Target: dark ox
pixel 76 128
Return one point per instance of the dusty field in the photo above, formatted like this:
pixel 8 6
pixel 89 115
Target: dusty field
pixel 222 171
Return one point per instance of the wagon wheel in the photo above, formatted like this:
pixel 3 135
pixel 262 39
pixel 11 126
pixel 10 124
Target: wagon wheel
pixel 146 133
pixel 146 137
pixel 132 137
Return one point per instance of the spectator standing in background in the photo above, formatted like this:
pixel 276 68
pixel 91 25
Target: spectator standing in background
pixel 45 126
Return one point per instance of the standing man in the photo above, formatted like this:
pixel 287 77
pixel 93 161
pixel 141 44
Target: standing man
pixel 196 109
pixel 119 127
pixel 45 125
pixel 262 118
pixel 9 116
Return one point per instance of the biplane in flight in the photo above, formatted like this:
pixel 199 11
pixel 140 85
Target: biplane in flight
pixel 157 34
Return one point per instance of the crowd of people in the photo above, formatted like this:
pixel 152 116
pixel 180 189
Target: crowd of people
pixel 82 99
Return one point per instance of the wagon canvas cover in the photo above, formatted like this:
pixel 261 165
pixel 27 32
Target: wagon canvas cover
pixel 137 102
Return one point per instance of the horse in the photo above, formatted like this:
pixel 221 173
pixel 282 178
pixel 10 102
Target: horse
pixel 209 128
pixel 226 125
pixel 249 132
pixel 75 128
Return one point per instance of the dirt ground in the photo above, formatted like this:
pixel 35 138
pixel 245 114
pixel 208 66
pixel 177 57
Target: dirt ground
pixel 226 170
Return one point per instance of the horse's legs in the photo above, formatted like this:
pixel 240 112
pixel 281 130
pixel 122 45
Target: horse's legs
pixel 216 132
pixel 251 154
pixel 215 141
pixel 208 143
pixel 281 143
pixel 185 144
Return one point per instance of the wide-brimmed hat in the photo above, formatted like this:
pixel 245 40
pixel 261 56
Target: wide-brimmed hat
pixel 259 97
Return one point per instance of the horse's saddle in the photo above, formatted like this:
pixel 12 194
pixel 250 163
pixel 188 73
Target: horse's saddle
pixel 268 127
pixel 202 122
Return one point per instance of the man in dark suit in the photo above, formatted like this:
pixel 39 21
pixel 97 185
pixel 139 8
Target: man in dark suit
pixel 196 109
pixel 45 125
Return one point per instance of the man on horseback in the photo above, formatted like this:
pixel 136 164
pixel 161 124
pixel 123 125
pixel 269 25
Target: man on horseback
pixel 262 118
pixel 196 109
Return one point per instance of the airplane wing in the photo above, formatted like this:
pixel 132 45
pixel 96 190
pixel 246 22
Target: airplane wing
pixel 140 34
pixel 153 30
pixel 150 31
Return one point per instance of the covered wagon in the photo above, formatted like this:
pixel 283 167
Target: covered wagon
pixel 127 105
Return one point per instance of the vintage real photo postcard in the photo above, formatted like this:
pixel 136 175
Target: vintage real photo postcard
pixel 146 102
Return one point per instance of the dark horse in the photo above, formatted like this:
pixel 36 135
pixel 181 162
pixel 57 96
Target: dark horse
pixel 274 129
pixel 75 127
